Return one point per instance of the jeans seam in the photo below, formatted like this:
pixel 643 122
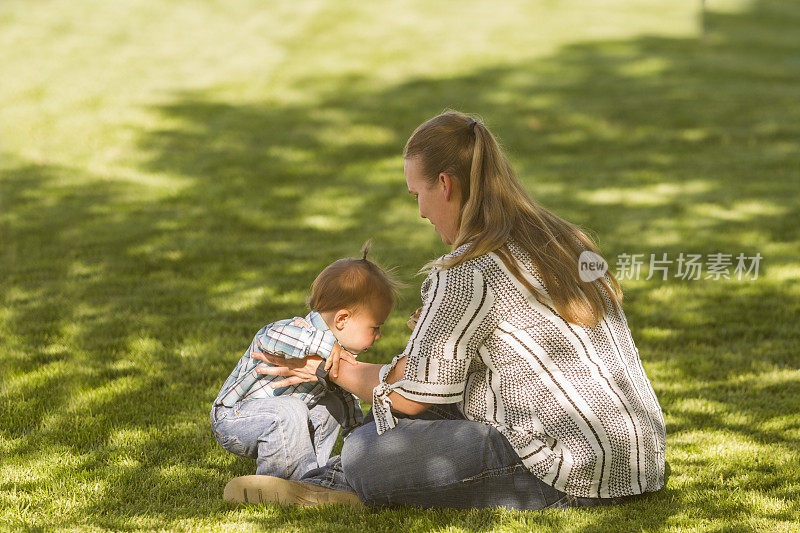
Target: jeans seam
pixel 493 472
pixel 318 435
pixel 443 413
pixel 283 449
pixel 565 501
pixel 329 480
pixel 329 476
pixel 394 493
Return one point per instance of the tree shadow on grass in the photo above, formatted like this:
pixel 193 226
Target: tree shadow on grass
pixel 658 145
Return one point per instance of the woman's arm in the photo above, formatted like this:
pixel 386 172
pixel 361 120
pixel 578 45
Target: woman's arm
pixel 359 379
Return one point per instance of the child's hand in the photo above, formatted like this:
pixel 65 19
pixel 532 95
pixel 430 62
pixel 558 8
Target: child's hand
pixel 412 320
pixel 338 353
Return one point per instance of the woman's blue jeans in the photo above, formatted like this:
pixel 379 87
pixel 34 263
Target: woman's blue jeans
pixel 439 459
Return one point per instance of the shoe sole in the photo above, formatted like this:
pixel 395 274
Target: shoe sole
pixel 269 489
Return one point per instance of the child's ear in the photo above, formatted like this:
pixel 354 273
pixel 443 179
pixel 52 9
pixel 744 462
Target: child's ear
pixel 340 318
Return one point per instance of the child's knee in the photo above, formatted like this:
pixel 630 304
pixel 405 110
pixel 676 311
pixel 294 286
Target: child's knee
pixel 292 414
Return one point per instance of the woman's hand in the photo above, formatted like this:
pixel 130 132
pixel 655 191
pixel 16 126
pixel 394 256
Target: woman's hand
pixel 412 320
pixel 296 370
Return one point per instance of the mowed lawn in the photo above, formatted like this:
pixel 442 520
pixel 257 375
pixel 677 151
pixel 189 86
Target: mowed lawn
pixel 174 175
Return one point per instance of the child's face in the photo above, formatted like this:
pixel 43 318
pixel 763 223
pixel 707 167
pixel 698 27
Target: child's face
pixel 359 330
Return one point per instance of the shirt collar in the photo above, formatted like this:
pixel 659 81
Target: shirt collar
pixel 316 320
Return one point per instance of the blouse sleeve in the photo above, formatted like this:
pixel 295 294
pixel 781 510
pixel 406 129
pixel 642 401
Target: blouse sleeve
pixel 451 327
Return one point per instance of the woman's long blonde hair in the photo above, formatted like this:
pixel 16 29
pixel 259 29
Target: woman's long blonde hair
pixel 496 209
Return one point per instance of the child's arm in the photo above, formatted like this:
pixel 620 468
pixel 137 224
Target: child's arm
pixel 297 338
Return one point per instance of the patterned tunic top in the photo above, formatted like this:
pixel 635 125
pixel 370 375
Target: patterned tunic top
pixel 573 401
pixel 293 337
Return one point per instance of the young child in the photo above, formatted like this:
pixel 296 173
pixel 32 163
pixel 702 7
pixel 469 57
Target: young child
pixel 291 430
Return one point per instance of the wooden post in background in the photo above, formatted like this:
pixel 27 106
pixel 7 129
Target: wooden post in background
pixel 703 20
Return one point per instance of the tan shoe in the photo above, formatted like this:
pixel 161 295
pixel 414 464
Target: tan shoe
pixel 269 489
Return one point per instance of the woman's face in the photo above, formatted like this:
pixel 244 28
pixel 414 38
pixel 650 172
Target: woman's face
pixel 440 203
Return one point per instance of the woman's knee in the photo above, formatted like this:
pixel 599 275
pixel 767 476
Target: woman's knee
pixel 362 460
pixel 356 448
pixel 377 466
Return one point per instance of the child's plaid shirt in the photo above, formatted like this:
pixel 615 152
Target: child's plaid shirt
pixel 294 337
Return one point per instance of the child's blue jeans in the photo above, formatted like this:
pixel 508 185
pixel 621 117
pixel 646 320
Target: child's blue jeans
pixel 283 435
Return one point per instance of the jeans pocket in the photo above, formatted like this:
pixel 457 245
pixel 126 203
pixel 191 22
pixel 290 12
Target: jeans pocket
pixel 231 443
pixel 222 432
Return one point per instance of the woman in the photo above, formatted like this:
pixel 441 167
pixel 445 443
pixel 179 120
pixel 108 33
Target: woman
pixel 520 385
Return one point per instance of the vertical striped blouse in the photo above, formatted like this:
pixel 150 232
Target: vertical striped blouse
pixel 573 401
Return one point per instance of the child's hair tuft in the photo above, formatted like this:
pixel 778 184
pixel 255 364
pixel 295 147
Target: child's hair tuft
pixel 365 249
pixel 353 284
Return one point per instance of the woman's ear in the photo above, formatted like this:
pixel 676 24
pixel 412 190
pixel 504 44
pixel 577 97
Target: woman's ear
pixel 448 185
pixel 340 318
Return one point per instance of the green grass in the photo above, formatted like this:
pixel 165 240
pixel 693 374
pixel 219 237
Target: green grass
pixel 174 175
